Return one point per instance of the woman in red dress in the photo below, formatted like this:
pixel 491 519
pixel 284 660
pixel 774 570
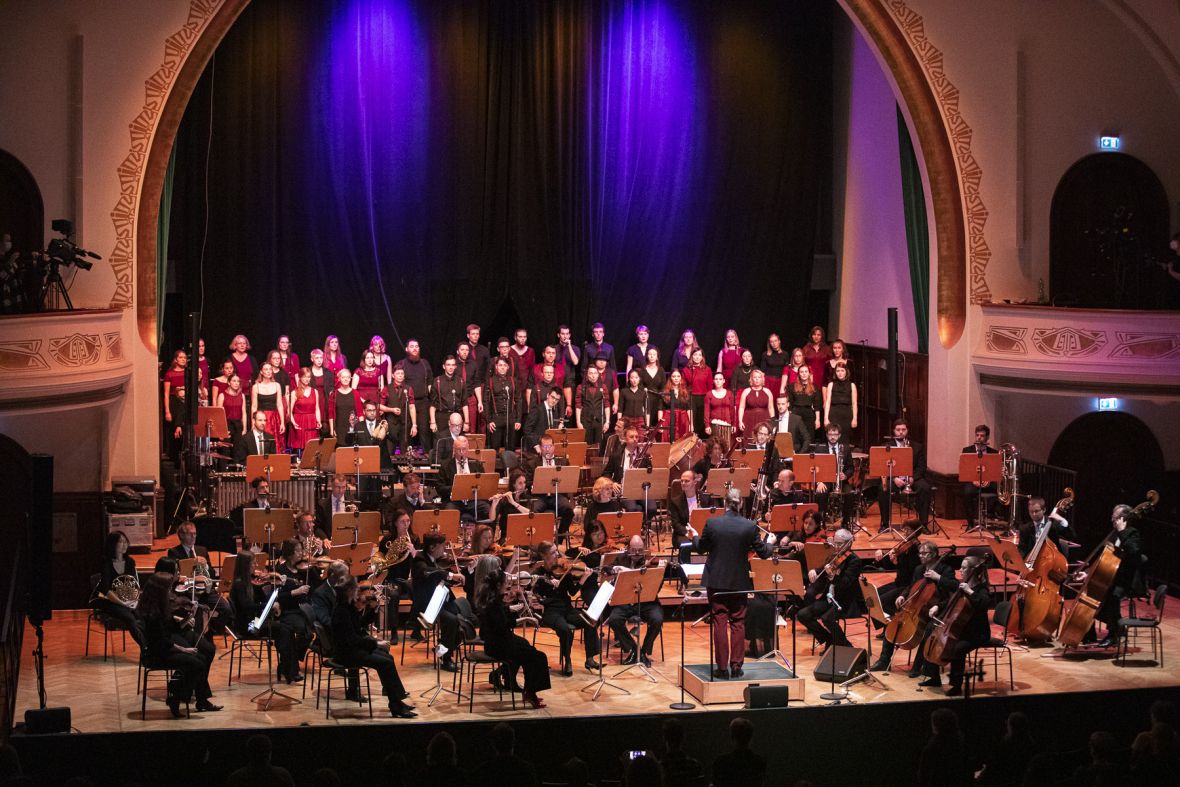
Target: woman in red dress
pixel 699 378
pixel 680 402
pixel 816 355
pixel 288 359
pixel 369 380
pixel 267 395
pixel 720 405
pixel 304 406
pixel 231 399
pixel 334 360
pixel 218 383
pixel 384 362
pixel 791 372
pixel 244 365
pixel 754 404
pixel 203 373
pixel 730 354
pixel 174 407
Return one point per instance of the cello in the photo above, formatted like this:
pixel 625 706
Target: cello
pixel 946 633
pixel 906 627
pixel 1103 566
pixel 1038 602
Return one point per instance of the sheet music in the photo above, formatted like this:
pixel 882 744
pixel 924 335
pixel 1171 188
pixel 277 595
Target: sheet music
pixel 256 624
pixel 601 599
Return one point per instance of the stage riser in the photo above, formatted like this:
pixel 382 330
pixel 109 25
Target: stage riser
pixel 723 692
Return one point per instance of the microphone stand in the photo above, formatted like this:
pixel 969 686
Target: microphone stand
pixel 684 704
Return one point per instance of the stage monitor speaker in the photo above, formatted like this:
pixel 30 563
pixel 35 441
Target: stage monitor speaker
pixel 841 663
pixel 758 696
pixel 891 390
pixel 40 573
pixel 47 721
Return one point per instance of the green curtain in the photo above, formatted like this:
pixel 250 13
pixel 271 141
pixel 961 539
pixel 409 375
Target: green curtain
pixel 163 221
pixel 917 236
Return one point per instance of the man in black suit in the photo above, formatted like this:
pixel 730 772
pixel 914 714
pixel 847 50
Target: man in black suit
pixel 1058 526
pixel 459 464
pixel 261 499
pixel 412 497
pixel 444 445
pixel 336 502
pixel 547 457
pixel 728 540
pixel 426 575
pixel 837 447
pixel 971 489
pixel 623 457
pixel 255 442
pixel 829 593
pixel 919 486
pixel 1128 580
pixel 188 550
pixel 787 422
pixel 548 416
pixel 371 431
pixel 683 499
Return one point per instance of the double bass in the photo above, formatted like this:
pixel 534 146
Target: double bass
pixel 1103 566
pixel 1037 610
pixel 940 645
pixel 908 624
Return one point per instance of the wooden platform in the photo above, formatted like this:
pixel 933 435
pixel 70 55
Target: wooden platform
pixel 711 691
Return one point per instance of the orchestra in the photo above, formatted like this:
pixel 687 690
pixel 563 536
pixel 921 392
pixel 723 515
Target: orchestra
pixel 509 400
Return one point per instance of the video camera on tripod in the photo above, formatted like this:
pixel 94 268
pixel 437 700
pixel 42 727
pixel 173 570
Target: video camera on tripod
pixel 63 251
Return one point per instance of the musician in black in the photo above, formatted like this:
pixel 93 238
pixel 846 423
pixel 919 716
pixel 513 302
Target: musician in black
pixel 188 550
pixel 354 649
pixel 506 403
pixel 255 442
pixel 626 457
pixel 246 596
pixel 651 613
pixel 833 592
pixel 1031 531
pixel 972 581
pixel 683 499
pixel 165 641
pixel 444 442
pixel 1128 580
pixel 460 464
pixel 496 629
pixel 591 406
pixel 714 457
pixel 557 591
pixel 786 422
pixel 847 504
pixel 426 575
pixel 545 503
pixel 918 485
pixel 893 596
pixel 412 497
pixel 298 579
pixel 971 489
pixel 550 415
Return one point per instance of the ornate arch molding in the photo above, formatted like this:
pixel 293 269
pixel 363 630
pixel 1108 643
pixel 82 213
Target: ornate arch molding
pixel 895 30
pixel 944 139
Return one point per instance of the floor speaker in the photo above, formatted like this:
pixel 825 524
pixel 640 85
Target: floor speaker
pixel 765 696
pixel 47 721
pixel 841 663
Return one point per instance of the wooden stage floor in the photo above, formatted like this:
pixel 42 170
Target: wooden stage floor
pixel 103 697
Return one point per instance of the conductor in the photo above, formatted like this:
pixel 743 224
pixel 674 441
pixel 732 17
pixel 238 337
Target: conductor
pixel 728 540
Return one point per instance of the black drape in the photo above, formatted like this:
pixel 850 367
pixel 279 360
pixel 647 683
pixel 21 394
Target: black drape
pixel 404 168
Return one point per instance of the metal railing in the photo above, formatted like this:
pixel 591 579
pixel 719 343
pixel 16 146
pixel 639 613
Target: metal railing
pixel 1041 480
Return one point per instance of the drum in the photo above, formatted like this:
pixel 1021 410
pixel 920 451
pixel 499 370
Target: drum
pixel 685 453
pixel 722 431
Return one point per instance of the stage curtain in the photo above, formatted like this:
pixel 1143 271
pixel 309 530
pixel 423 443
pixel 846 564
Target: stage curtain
pixel 163 223
pixel 917 237
pixel 403 168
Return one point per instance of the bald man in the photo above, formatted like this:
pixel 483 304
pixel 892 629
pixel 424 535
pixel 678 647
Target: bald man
pixel 651 613
pixel 460 464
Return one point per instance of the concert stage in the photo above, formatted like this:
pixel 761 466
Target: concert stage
pixel 106 708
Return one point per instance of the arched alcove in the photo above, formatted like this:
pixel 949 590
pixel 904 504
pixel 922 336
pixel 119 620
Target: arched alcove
pixel 1109 214
pixel 20 204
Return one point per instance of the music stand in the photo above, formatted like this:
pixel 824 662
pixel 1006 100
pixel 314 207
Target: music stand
pixel 270 692
pixel 778 576
pixel 815 554
pixel 359 460
pixel 1008 558
pixel 574 453
pixel 981 470
pixel 659 454
pixel 592 614
pixel 722 478
pixel 556 481
pixel 485 456
pixel 872 599
pixel 784 445
pixel 268 525
pixel 363 526
pixel 644 483
pixel 528 530
pixel 476 441
pixel 355 555
pixel 317 454
pixel 429 618
pixel 272 467
pixel 751 457
pixel 886 462
pixel 639 586
pixel 562 434
pixel 788 517
pixel 214 420
pixel 818 469
pixel 622 525
pixel 471 487
pixel 437 520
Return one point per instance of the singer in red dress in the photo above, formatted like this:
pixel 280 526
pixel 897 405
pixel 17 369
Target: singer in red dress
pixel 244 365
pixel 218 383
pixel 266 395
pixel 384 363
pixel 816 354
pixel 288 358
pixel 730 354
pixel 306 415
pixel 791 372
pixel 679 400
pixel 369 380
pixel 720 405
pixel 754 404
pixel 699 378
pixel 233 401
pixel 334 360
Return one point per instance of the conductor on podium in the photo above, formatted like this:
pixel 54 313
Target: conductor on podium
pixel 728 540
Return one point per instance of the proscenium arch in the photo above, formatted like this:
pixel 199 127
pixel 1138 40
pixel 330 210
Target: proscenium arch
pixel 917 97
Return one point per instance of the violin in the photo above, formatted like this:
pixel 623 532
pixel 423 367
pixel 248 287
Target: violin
pixel 367 597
